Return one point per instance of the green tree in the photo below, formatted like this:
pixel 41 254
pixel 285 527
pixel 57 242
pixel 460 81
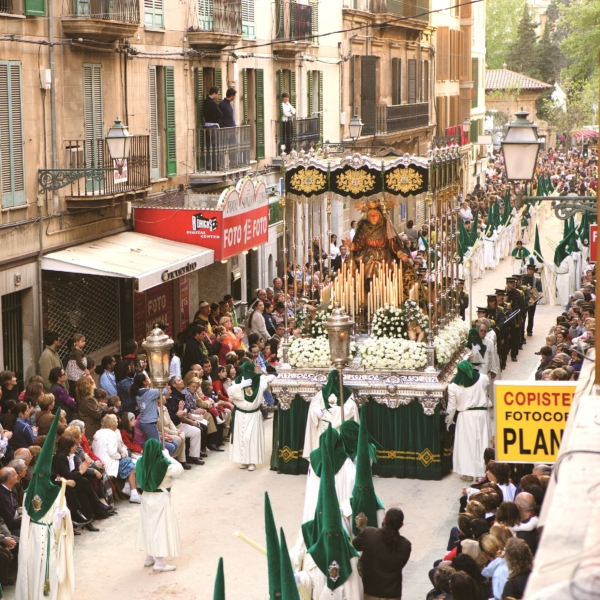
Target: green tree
pixel 523 56
pixel 501 29
pixel 549 57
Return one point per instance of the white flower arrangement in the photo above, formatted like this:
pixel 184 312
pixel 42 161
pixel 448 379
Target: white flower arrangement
pixel 393 354
pixel 391 322
pixel 308 353
pixel 449 340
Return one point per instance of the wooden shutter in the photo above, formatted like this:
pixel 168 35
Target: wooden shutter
pixel 153 113
pixel 442 59
pixel 259 81
pixel 153 13
pixel 412 80
pixel 439 110
pixel 310 93
pixel 396 81
pixel 248 18
pixel 218 80
pixel 475 76
pixel 245 97
pixel 93 114
pixel 199 100
pixel 170 133
pixel 425 85
pixel 320 104
pixel 368 93
pixel 12 164
pixel 293 100
pixel 465 54
pixel 205 14
pixel 466 11
pixel 34 7
pixel 314 21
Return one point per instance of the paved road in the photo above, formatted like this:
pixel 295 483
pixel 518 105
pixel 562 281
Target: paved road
pixel 217 499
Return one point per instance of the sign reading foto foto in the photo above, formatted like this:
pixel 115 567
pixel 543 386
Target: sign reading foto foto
pixel 531 419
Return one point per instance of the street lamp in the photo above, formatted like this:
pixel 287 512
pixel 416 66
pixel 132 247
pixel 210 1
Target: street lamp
pixel 339 325
pixel 467 125
pixel 118 140
pixel 355 126
pixel 157 346
pixel 520 148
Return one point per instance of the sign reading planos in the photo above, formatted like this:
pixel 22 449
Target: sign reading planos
pixel 531 418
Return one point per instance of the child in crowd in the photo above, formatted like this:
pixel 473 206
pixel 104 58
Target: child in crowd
pixel 77 364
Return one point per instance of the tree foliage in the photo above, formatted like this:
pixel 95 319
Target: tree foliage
pixel 501 29
pixel 523 55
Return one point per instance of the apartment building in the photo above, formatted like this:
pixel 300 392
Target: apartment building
pixel 70 260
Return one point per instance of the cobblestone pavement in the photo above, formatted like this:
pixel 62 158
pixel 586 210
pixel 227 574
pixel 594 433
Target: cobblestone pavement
pixel 218 499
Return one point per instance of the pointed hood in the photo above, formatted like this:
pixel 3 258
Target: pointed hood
pixel 583 231
pixel 474 229
pixel 562 250
pixel 475 338
pixel 219 589
pixel 248 371
pixel 489 224
pixel 42 491
pixel 466 375
pixel 349 432
pixel 325 538
pixel 273 564
pixel 333 387
pixel 537 249
pixel 288 586
pixel 335 450
pixel 496 214
pixel 364 501
pixel 507 212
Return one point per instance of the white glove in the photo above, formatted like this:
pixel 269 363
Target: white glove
pixel 246 383
pixel 476 347
pixel 449 419
pixel 61 514
pixel 165 453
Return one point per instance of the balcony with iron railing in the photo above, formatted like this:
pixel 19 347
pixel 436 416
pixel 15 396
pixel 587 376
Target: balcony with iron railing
pixel 102 20
pixel 401 117
pixel 94 190
pixel 219 25
pixel 6 7
pixel 416 9
pixel 221 153
pixel 305 134
pixel 293 27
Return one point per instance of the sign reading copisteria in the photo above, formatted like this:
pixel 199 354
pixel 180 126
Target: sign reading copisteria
pixel 531 418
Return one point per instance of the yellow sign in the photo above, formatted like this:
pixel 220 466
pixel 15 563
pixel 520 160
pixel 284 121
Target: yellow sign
pixel 531 419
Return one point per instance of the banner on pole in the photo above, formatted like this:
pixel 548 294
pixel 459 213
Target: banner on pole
pixel 531 418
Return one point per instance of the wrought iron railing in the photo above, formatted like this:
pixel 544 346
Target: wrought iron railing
pixel 294 21
pixel 223 149
pixel 441 141
pixel 305 134
pixel 401 117
pixel 126 11
pixel 223 16
pixel 6 6
pixel 417 9
pixel 94 154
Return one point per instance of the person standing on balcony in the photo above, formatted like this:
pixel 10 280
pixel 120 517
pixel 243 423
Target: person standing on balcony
pixel 212 121
pixel 226 107
pixel 228 120
pixel 287 114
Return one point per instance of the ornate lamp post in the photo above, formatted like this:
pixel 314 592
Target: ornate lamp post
pixel 520 148
pixel 355 126
pixel 157 345
pixel 339 326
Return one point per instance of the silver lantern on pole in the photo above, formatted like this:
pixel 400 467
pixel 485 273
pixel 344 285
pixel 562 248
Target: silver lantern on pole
pixel 339 328
pixel 158 349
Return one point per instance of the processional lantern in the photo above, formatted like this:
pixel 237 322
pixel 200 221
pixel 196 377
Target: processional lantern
pixel 520 148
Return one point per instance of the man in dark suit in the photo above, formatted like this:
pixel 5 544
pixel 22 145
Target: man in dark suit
pixel 212 122
pixel 340 259
pixel 195 350
pixel 8 506
pixel 384 554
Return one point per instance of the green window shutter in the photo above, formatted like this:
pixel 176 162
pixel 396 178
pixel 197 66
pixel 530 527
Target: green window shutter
pixel 320 106
pixel 260 113
pixel 293 99
pixel 199 99
pixel 368 93
pixel 314 21
pixel 412 80
pixel 170 133
pixel 218 79
pixel 474 131
pixel 205 14
pixel 475 76
pixel 396 81
pixel 153 125
pixel 153 13
pixel 244 96
pixel 93 115
pixel 12 163
pixel 35 8
pixel 248 19
pixel 280 91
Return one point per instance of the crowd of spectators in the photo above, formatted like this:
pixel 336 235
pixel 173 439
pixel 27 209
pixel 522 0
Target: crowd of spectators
pixel 107 412
pixel 491 549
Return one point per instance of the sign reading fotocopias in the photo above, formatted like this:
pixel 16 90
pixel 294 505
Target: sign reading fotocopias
pixel 531 419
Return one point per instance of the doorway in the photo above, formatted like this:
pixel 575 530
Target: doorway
pixel 12 335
